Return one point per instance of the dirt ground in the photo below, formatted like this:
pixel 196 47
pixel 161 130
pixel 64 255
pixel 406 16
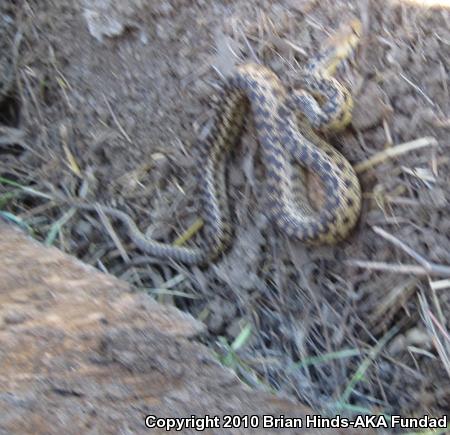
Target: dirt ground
pixel 105 103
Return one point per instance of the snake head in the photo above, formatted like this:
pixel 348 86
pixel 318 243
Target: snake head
pixel 340 46
pixel 346 38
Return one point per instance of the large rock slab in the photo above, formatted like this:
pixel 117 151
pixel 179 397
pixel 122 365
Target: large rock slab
pixel 80 352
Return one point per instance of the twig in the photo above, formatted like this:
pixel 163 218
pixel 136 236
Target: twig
pixel 430 267
pixel 249 47
pixel 439 325
pixel 419 90
pixel 395 151
pixel 116 121
pixel 189 233
pixel 431 323
pixel 440 285
pixel 390 238
pixel 413 269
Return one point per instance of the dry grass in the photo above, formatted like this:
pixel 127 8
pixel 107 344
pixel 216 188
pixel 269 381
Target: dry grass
pixel 360 327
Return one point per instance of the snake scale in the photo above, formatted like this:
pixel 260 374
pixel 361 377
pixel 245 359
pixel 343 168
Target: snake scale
pixel 284 123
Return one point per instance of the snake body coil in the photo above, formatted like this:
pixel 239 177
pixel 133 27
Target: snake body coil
pixel 283 123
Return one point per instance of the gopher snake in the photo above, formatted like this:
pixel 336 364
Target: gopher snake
pixel 283 122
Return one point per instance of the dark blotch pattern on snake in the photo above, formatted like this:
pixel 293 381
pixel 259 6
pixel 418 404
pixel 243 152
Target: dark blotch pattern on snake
pixel 283 123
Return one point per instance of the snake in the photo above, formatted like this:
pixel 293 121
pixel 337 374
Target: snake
pixel 286 121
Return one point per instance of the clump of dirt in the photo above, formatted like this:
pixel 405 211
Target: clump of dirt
pixel 111 97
